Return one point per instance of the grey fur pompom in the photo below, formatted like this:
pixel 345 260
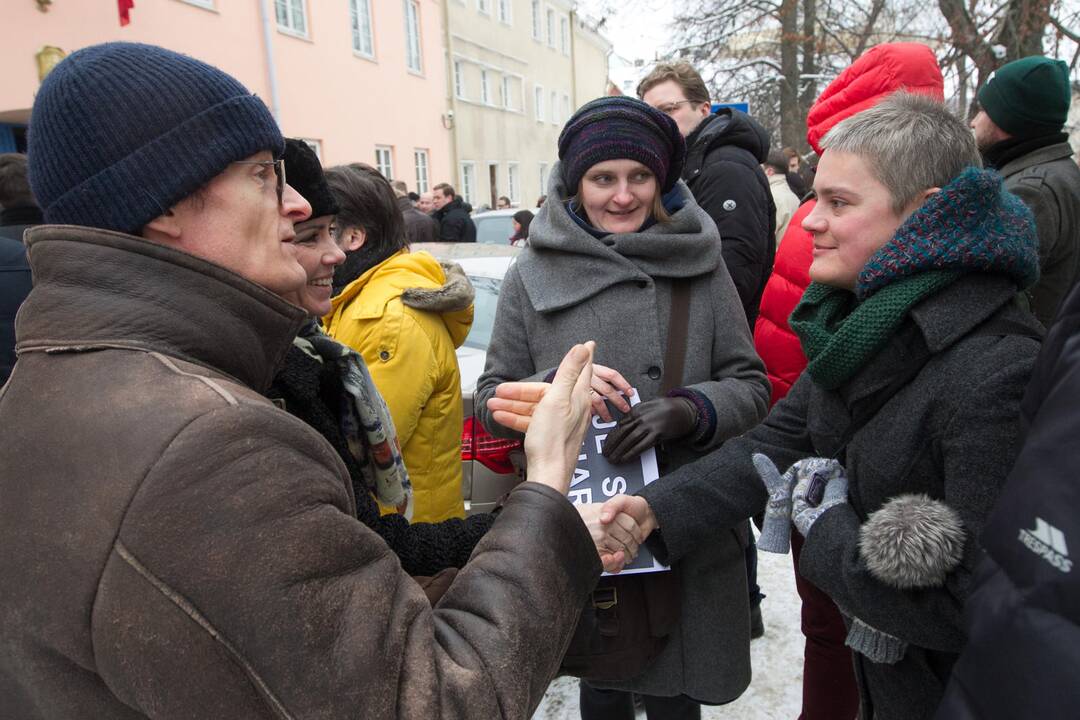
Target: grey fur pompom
pixel 912 541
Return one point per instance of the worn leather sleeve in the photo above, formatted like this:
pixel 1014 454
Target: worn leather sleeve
pixel 241 578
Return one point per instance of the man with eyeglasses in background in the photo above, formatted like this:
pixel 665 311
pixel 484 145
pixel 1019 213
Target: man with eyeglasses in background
pixel 175 545
pixel 724 152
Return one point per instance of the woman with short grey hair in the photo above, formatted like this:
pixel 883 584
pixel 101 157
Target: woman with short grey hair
pixel 896 440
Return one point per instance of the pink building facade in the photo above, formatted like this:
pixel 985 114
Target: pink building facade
pixel 363 80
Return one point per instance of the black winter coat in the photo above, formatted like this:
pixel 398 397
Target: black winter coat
pixel 455 225
pixel 723 170
pixel 1023 615
pixel 309 390
pixel 950 433
pixel 419 227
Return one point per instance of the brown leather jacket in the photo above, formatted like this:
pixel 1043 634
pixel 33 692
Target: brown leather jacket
pixel 175 546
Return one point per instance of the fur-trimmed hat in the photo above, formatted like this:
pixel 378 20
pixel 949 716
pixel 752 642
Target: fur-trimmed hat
pixel 121 132
pixel 621 128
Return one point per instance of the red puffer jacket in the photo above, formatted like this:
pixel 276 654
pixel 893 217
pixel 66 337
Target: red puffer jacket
pixel 878 73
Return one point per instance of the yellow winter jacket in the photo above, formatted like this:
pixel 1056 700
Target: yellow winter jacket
pixel 406 318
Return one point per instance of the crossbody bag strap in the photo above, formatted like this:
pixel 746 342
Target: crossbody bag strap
pixel 678 325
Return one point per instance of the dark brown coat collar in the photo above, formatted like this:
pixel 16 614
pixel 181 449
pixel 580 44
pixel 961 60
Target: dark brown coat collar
pixel 96 288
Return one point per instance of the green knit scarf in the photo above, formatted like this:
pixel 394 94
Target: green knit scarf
pixel 839 333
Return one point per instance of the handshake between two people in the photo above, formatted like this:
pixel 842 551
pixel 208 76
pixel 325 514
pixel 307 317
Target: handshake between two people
pixel 553 417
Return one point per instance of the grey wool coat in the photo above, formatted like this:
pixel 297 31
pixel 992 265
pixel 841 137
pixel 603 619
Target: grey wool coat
pixel 569 287
pixel 951 434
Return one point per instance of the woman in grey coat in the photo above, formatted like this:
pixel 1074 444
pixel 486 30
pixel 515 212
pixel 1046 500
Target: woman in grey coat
pixel 618 231
pixel 919 351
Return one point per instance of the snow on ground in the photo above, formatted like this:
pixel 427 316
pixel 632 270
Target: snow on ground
pixel 776 689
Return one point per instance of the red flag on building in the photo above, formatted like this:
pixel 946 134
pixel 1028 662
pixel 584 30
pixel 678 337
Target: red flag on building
pixel 125 7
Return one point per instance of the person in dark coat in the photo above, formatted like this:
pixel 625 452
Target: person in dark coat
pixel 452 214
pixel 1022 618
pixel 18 211
pixel 608 249
pixel 419 227
pixel 724 152
pixel 1020 132
pixel 918 352
pixel 176 546
pixel 328 386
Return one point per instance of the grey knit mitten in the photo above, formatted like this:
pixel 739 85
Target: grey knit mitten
pixel 804 511
pixel 875 645
pixel 776 529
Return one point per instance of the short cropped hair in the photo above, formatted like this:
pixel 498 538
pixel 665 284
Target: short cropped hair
pixel 684 75
pixel 400 188
pixel 446 188
pixel 778 161
pixel 14 186
pixel 911 143
pixel 366 201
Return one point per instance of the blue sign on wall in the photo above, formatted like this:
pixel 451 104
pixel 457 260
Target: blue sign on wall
pixel 744 106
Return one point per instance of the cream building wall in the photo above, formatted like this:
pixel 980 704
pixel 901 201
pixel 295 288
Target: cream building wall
pixel 351 102
pixel 511 89
pixel 591 54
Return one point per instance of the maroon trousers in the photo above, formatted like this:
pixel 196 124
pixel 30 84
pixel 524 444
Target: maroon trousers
pixel 829 690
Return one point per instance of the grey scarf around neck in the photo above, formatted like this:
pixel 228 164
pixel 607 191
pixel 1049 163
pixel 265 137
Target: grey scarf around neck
pixel 565 265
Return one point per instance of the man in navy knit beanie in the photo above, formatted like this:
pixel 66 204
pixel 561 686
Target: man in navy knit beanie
pixel 174 544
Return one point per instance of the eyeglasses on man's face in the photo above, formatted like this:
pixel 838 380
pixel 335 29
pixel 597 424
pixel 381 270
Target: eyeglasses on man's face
pixel 279 173
pixel 669 108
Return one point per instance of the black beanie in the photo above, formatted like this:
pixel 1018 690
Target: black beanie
pixel 304 173
pixel 621 128
pixel 121 132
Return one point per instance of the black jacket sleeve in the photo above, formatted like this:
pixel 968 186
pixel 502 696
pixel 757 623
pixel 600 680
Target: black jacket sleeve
pixel 452 228
pixel 732 196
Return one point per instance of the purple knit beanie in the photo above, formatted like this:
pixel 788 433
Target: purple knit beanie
pixel 621 128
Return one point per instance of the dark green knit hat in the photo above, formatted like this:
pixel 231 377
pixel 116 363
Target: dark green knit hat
pixel 1028 97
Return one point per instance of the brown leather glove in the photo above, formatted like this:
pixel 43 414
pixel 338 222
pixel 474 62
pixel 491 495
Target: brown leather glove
pixel 648 423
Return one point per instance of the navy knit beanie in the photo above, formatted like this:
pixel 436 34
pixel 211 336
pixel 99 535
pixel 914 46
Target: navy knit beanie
pixel 121 132
pixel 621 128
pixel 305 176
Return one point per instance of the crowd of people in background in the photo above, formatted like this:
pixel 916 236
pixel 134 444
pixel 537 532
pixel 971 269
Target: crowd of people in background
pixel 232 480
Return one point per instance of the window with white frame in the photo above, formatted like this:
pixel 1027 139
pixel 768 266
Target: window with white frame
pixel 291 16
pixel 315 145
pixel 468 181
pixel 484 6
pixel 551 27
pixel 421 158
pixel 363 41
pixel 539 101
pixel 412 36
pixel 565 107
pixel 459 79
pixel 485 87
pixel 513 183
pixel 505 11
pixel 554 107
pixel 543 178
pixel 384 161
pixel 564 34
pixel 537 21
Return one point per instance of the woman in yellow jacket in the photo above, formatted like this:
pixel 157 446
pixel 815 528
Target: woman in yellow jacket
pixel 406 315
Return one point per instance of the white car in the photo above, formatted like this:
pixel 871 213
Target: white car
pixel 494 227
pixel 491 466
